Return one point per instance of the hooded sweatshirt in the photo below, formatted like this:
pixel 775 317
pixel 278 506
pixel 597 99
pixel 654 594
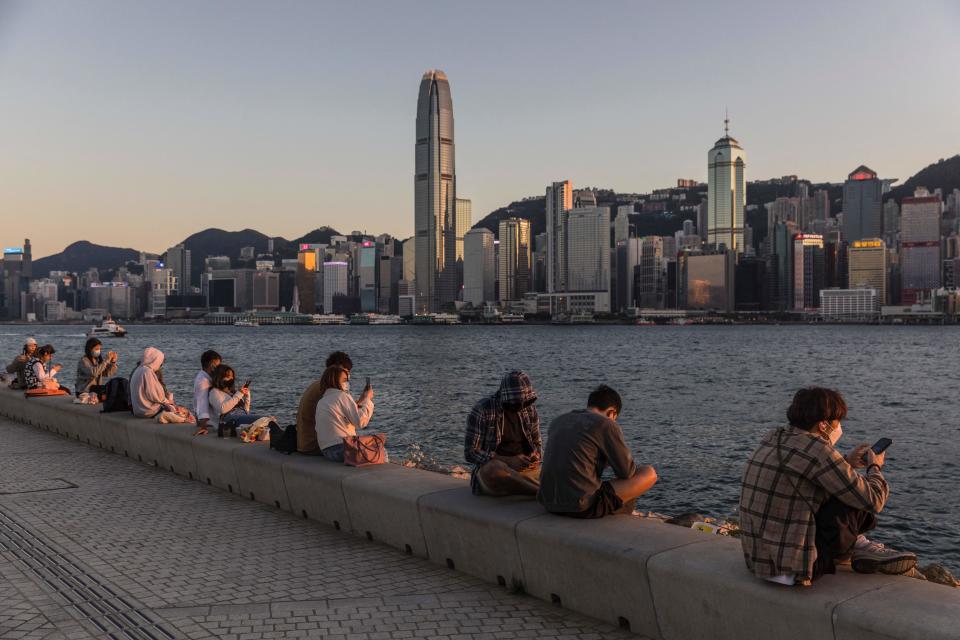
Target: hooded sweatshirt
pixel 147 395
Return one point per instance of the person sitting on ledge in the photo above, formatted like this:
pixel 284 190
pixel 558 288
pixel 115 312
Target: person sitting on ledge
pixel 39 373
pixel 307 409
pixel 209 361
pixel 19 365
pixel 229 406
pixel 503 440
pixel 93 369
pixel 148 395
pixel 803 506
pixel 581 445
pixel 338 415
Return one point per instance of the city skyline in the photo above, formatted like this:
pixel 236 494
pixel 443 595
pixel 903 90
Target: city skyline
pixel 159 112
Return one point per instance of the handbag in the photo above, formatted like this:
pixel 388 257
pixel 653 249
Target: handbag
pixel 362 451
pixel 43 393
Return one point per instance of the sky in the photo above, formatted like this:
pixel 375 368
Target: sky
pixel 133 123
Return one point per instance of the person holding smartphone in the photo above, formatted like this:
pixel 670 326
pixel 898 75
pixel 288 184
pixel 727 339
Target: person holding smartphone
pixel 229 405
pixel 39 373
pixel 805 507
pixel 94 368
pixel 337 414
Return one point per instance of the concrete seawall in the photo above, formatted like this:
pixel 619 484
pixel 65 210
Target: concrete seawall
pixel 659 580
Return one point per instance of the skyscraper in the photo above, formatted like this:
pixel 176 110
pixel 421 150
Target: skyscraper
pixel 726 192
pixel 178 259
pixel 588 249
pixel 867 266
pixel 920 245
pixel 559 200
pixel 479 271
pixel 862 206
pixel 808 270
pixel 435 186
pixel 464 220
pixel 515 254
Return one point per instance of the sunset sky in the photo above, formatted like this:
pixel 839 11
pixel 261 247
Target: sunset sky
pixel 135 124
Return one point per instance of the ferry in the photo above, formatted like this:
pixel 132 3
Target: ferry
pixel 512 318
pixel 246 323
pixel 360 318
pixel 385 319
pixel 329 318
pixel 107 329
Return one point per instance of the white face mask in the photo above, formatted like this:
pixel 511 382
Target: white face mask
pixel 835 434
pixel 95 353
pixel 346 386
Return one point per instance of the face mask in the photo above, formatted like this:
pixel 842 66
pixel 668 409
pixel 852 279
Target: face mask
pixel 95 353
pixel 835 434
pixel 346 386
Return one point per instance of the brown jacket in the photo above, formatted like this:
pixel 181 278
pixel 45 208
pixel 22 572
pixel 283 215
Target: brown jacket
pixel 781 493
pixel 307 418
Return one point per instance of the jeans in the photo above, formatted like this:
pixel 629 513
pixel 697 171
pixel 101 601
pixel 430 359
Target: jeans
pixel 838 526
pixel 334 453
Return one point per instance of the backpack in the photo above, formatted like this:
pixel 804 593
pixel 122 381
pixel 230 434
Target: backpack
pixel 283 439
pixel 117 395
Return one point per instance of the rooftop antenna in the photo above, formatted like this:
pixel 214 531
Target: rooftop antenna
pixel 726 122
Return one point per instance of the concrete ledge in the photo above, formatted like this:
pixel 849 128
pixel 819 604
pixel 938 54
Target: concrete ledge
pixel 144 440
pixel 476 535
pixel 260 474
pixel 176 449
pixel 382 502
pixel 313 489
pixel 113 432
pixel 214 460
pixel 902 610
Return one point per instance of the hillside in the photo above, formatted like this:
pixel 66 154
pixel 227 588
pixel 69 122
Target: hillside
pixel 944 175
pixel 81 256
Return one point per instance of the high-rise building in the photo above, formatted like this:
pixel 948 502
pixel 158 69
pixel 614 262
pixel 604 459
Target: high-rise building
pixel 266 290
pixel 479 270
pixel 514 258
pixel 808 270
pixel 621 225
pixel 821 204
pixel 726 193
pixel 780 272
pixel 862 203
pixel 368 276
pixel 308 264
pixel 409 259
pixel 650 279
pixel 584 199
pixel 178 259
pixel 867 266
pixel 464 221
pixel 435 187
pixel 891 218
pixel 919 245
pixel 707 280
pixel 335 284
pixel 559 201
pixel 588 249
pixel 849 305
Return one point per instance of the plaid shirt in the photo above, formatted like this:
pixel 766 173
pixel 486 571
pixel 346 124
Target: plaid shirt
pixel 781 494
pixel 485 422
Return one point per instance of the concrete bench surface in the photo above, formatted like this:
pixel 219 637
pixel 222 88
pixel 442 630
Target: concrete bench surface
pixel 658 580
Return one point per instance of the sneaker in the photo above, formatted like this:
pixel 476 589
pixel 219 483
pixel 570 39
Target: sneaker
pixel 873 557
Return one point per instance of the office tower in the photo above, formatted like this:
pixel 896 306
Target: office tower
pixel 367 274
pixel 726 192
pixel 266 290
pixel 703 211
pixel 862 215
pixel 216 263
pixel 514 258
pixel 178 259
pixel 391 274
pixel 336 277
pixel 540 262
pixel 707 280
pixel 12 281
pixel 919 245
pixel 464 221
pixel 781 268
pixel 27 262
pixel 435 186
pixel 783 210
pixel 891 218
pixel 308 264
pixel 808 270
pixel 479 271
pixel 650 280
pixel 750 280
pixel 821 204
pixel 409 260
pixel 689 228
pixel 584 199
pixel 621 225
pixel 849 305
pixel 559 200
pixel 867 266
pixel 588 249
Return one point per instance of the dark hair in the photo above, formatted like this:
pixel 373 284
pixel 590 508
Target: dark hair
pixel 604 397
pixel 45 350
pixel 331 378
pixel 217 379
pixel 339 359
pixel 208 357
pixel 91 343
pixel 814 405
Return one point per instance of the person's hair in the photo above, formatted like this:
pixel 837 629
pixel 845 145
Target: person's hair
pixel 339 359
pixel 814 405
pixel 217 379
pixel 331 378
pixel 88 348
pixel 45 350
pixel 208 357
pixel 603 398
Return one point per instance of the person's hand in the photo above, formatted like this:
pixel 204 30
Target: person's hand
pixel 201 427
pixel 56 367
pixel 367 394
pixel 857 456
pixel 112 356
pixel 875 458
pixel 518 463
pixel 245 391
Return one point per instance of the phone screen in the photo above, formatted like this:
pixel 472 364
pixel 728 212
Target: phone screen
pixel 881 445
pixel 246 384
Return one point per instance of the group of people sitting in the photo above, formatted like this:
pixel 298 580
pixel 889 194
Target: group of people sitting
pixel 33 368
pixel 804 507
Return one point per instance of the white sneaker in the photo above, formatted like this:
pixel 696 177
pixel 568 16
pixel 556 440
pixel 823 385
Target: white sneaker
pixel 873 557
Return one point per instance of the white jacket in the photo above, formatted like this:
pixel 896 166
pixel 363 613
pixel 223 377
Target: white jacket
pixel 338 416
pixel 147 395
pixel 222 402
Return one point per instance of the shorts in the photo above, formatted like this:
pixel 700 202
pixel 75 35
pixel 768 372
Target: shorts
pixel 604 503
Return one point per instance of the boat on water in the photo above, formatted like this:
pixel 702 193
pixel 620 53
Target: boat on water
pixel 512 318
pixel 107 329
pixel 246 323
pixel 329 318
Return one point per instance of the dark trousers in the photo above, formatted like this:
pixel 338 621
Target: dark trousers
pixel 838 526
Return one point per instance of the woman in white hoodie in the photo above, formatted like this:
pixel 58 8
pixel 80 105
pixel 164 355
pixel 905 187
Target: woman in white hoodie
pixel 148 395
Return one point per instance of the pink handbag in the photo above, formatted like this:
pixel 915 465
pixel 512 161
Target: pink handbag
pixel 361 451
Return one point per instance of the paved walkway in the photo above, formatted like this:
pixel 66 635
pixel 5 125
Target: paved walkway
pixel 93 545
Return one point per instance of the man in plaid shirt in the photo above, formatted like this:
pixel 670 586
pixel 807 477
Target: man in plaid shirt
pixel 803 506
pixel 503 440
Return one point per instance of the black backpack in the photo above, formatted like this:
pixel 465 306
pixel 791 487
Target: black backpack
pixel 283 439
pixel 117 395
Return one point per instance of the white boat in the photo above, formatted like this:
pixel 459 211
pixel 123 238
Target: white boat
pixel 329 318
pixel 107 329
pixel 246 323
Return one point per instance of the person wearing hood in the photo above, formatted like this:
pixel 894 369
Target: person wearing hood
pixel 148 395
pixel 19 365
pixel 503 440
pixel 93 368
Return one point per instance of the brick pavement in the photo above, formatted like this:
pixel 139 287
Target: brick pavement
pixel 95 545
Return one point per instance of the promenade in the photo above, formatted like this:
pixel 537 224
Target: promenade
pixel 95 545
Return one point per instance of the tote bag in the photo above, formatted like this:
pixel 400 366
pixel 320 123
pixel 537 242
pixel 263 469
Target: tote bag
pixel 361 451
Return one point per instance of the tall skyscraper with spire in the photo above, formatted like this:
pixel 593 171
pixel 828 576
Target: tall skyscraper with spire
pixel 726 192
pixel 435 195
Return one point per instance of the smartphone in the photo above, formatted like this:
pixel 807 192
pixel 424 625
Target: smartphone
pixel 368 382
pixel 246 385
pixel 879 446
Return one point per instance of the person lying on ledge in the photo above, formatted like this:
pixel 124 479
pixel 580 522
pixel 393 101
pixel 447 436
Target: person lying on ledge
pixel 804 507
pixel 503 440
pixel 580 446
